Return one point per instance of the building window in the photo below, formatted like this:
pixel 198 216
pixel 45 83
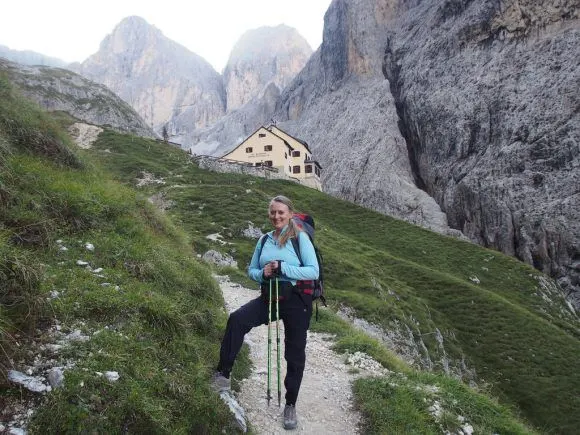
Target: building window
pixel 262 135
pixel 268 148
pixel 249 149
pixel 296 169
pixel 258 164
pixel 295 153
pixel 308 169
pixel 268 163
pixel 317 171
pixel 285 155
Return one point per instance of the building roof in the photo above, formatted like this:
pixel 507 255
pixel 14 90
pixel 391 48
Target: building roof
pixel 269 129
pixel 303 142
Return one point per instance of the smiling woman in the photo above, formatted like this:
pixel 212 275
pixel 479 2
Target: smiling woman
pixel 276 261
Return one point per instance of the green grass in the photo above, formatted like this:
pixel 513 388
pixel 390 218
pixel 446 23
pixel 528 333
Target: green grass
pixel 394 275
pixel 429 404
pixel 160 319
pixel 153 313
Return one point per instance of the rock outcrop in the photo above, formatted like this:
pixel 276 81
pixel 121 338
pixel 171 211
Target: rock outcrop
pixel 59 89
pixel 423 109
pixel 168 85
pixel 342 106
pixel 262 63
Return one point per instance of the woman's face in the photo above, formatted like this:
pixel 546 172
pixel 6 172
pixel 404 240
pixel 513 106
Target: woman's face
pixel 280 215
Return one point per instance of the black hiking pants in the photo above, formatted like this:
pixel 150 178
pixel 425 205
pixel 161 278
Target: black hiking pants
pixel 295 312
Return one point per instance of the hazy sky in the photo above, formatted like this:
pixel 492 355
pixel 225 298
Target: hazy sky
pixel 72 30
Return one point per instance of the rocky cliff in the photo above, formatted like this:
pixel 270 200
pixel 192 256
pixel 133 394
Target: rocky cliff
pixel 453 110
pixel 262 63
pixel 63 90
pixel 168 85
pixel 342 106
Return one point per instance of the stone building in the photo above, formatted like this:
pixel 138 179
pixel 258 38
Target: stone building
pixel 272 147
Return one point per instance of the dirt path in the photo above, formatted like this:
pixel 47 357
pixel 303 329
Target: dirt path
pixel 325 402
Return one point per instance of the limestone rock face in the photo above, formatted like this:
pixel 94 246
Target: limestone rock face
pixel 474 105
pixel 262 63
pixel 231 130
pixel 163 81
pixel 488 95
pixel 59 89
pixel 263 56
pixel 342 106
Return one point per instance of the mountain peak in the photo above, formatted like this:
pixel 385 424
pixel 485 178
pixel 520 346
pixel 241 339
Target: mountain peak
pixel 160 78
pixel 133 22
pixel 262 56
pixel 268 41
pixel 132 33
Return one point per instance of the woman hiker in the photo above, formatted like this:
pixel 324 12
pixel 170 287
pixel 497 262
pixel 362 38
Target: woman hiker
pixel 276 259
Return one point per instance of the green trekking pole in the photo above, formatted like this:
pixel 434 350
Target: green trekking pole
pixel 268 395
pixel 278 340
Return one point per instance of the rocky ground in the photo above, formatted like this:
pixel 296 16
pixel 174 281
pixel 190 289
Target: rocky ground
pixel 325 404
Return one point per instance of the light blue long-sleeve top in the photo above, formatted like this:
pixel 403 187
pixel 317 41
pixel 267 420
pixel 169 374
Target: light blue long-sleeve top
pixel 291 269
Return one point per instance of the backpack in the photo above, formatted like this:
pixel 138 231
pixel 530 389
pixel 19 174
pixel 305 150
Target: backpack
pixel 312 287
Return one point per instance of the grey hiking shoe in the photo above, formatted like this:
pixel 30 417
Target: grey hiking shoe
pixel 220 383
pixel 290 420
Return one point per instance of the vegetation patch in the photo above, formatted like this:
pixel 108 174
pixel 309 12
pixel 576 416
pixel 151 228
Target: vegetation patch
pixel 459 308
pixel 99 281
pixel 99 284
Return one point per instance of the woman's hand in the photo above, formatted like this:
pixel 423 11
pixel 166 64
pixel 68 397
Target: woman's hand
pixel 270 269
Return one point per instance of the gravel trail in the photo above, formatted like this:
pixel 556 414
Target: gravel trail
pixel 325 403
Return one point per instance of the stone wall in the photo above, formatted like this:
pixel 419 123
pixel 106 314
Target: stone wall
pixel 228 166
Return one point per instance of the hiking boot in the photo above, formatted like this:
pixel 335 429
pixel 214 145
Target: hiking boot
pixel 220 383
pixel 290 420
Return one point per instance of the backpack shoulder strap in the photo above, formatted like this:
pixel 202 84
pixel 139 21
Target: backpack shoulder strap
pixel 262 242
pixel 296 246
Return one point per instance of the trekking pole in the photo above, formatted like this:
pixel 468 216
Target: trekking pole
pixel 278 340
pixel 268 395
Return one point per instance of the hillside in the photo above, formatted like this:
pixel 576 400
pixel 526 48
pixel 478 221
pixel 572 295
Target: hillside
pixel 96 283
pixel 143 306
pixel 446 305
pixel 57 89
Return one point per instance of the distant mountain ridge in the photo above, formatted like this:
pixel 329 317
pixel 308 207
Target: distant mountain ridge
pixel 175 89
pixel 262 63
pixel 28 57
pixel 263 56
pixel 168 85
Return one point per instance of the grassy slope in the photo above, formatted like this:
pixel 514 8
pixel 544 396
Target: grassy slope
pixel 159 321
pixel 164 322
pixel 388 270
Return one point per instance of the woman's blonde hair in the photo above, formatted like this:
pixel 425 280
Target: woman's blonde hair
pixel 292 230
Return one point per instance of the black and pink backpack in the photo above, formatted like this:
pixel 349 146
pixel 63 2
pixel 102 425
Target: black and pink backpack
pixel 309 287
